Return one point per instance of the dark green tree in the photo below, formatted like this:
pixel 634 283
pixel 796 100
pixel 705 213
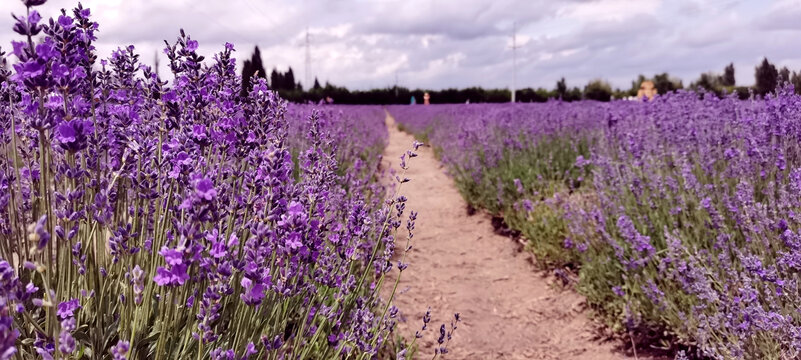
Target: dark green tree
pixel 766 76
pixel 532 95
pixel 247 72
pixel 728 76
pixel 257 64
pixel 250 68
pixel 289 80
pixel 598 90
pixel 784 75
pixel 561 88
pixel 316 85
pixel 276 79
pixel 709 82
pixel 665 84
pixel 574 94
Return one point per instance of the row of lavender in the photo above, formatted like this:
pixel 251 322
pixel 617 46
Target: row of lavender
pixel 506 158
pixel 147 219
pixel 358 135
pixel 689 229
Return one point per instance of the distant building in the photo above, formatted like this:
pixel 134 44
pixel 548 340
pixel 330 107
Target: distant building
pixel 426 99
pixel 647 89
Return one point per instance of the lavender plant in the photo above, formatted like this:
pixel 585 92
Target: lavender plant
pixel 147 219
pixel 694 231
pixel 359 130
pixel 511 159
pixel 687 234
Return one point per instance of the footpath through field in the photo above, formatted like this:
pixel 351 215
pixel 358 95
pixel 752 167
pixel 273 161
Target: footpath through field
pixel 458 264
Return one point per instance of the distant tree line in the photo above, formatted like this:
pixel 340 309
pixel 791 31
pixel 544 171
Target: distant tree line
pixel 767 78
pixel 254 67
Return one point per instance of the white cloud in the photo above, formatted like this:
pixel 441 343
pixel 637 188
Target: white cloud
pixel 439 44
pixel 616 10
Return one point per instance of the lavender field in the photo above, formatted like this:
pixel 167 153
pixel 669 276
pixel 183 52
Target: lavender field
pixel 197 213
pixel 676 218
pixel 144 218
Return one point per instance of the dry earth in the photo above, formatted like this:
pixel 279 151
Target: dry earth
pixel 458 264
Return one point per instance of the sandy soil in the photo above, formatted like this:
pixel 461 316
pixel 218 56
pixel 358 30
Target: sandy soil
pixel 458 264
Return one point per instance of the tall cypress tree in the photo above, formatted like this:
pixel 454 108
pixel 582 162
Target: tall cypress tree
pixel 561 88
pixel 289 80
pixel 728 76
pixel 250 68
pixel 258 66
pixel 784 75
pixel 276 80
pixel 247 72
pixel 766 76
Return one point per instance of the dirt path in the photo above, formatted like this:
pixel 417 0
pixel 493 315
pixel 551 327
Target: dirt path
pixel 458 264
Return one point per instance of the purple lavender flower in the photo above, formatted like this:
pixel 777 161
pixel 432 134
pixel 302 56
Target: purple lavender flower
pixel 32 3
pixel 252 293
pixel 44 348
pixel 528 206
pixel 191 45
pixel 120 350
pixel 40 233
pixel 426 320
pixel 67 309
pixel 175 276
pixel 518 186
pixel 204 189
pixel 138 278
pixel 250 350
pixel 65 21
pixel 73 135
pixel 172 256
pixel 66 343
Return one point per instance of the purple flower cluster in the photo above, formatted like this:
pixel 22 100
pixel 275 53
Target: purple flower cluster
pixel 182 219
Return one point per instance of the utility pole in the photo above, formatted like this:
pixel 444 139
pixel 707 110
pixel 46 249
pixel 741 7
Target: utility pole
pixel 308 60
pixel 514 60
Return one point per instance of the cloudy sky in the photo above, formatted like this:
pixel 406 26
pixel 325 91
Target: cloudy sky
pixel 456 43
